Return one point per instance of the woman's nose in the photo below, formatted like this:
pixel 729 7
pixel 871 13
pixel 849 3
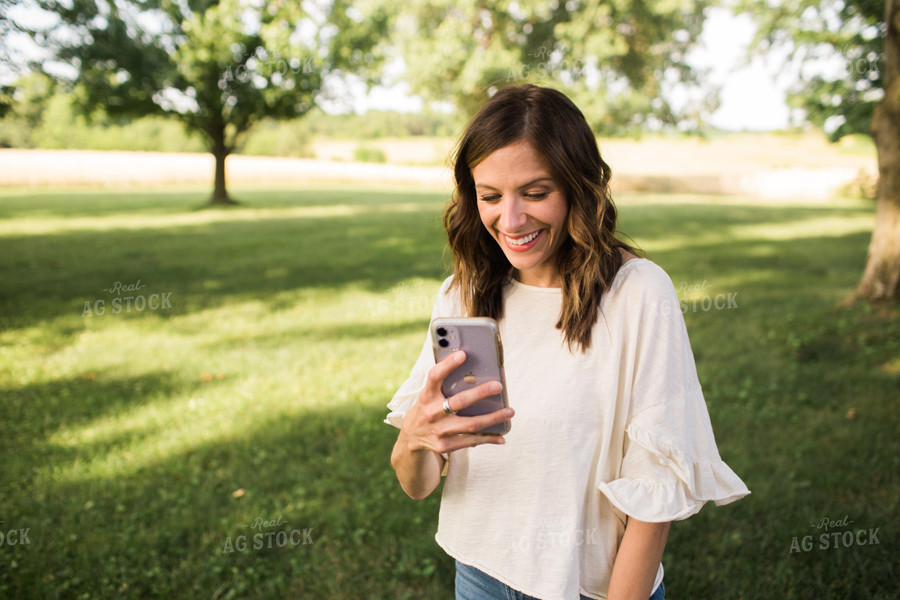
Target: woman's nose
pixel 513 215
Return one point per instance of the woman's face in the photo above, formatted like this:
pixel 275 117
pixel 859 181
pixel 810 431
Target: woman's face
pixel 524 210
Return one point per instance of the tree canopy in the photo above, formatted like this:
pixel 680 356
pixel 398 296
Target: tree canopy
pixel 838 47
pixel 619 60
pixel 219 67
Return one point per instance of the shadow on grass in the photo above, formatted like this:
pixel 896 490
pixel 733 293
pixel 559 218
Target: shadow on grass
pixel 173 528
pixel 35 413
pixel 106 203
pixel 213 264
pixel 210 265
pixel 347 332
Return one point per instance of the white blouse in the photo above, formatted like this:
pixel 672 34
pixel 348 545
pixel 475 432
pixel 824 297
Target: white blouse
pixel 621 429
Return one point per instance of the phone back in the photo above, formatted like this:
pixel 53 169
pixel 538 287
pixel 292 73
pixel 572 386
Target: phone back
pixel 479 338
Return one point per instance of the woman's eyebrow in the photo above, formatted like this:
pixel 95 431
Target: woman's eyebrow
pixel 524 185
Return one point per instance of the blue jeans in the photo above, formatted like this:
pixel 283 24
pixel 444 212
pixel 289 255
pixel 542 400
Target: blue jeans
pixel 472 584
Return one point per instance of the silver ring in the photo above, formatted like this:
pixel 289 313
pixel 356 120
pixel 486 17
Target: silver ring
pixel 447 409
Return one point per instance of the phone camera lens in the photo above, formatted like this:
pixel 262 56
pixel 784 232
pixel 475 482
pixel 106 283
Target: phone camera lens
pixel 443 343
pixel 441 331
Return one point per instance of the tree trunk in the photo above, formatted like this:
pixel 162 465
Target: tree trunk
pixel 220 151
pixel 881 279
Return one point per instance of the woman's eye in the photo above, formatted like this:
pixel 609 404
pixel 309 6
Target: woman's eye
pixel 493 198
pixel 537 195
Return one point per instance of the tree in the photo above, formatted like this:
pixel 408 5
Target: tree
pixel 7 30
pixel 881 279
pixel 27 100
pixel 219 67
pixel 6 100
pixel 619 60
pixel 864 95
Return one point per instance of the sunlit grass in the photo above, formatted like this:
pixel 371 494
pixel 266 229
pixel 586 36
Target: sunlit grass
pixel 50 225
pixel 135 444
pixel 301 351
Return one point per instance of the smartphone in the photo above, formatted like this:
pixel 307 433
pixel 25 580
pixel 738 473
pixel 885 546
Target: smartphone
pixel 479 338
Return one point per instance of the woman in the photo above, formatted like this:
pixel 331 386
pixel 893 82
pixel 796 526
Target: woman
pixel 610 438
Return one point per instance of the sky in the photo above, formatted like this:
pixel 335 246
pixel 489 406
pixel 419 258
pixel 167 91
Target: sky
pixel 752 91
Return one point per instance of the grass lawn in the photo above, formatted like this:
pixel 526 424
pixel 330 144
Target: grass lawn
pixel 223 436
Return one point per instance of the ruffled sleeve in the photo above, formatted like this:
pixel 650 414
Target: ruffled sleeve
pixel 670 464
pixel 446 305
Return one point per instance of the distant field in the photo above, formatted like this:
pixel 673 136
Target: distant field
pixel 767 166
pixel 146 444
pixel 653 155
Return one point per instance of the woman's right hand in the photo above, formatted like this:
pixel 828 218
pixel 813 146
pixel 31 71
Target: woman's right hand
pixel 427 431
pixel 428 427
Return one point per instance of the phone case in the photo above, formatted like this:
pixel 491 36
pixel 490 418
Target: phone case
pixel 479 338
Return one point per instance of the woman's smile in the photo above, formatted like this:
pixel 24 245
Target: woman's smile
pixel 524 209
pixel 523 243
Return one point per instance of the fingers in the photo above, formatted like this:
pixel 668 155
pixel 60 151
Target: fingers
pixel 455 432
pixel 449 432
pixel 469 397
pixel 439 372
pixel 463 425
pixel 435 412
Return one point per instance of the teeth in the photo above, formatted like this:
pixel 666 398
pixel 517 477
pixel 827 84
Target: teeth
pixel 524 240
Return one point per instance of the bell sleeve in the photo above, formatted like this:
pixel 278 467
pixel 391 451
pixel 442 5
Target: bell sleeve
pixel 670 464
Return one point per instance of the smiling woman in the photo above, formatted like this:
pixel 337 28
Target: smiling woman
pixel 610 439
pixel 524 209
pixel 537 146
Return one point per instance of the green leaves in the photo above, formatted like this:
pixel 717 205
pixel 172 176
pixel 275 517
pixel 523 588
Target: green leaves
pixel 847 35
pixel 220 67
pixel 610 57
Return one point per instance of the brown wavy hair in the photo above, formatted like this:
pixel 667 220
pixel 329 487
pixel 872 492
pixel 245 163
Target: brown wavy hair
pixel 588 258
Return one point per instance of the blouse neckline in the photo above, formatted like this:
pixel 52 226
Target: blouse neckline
pixel 558 290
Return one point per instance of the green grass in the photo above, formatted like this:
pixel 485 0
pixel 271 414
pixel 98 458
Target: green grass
pixel 126 437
